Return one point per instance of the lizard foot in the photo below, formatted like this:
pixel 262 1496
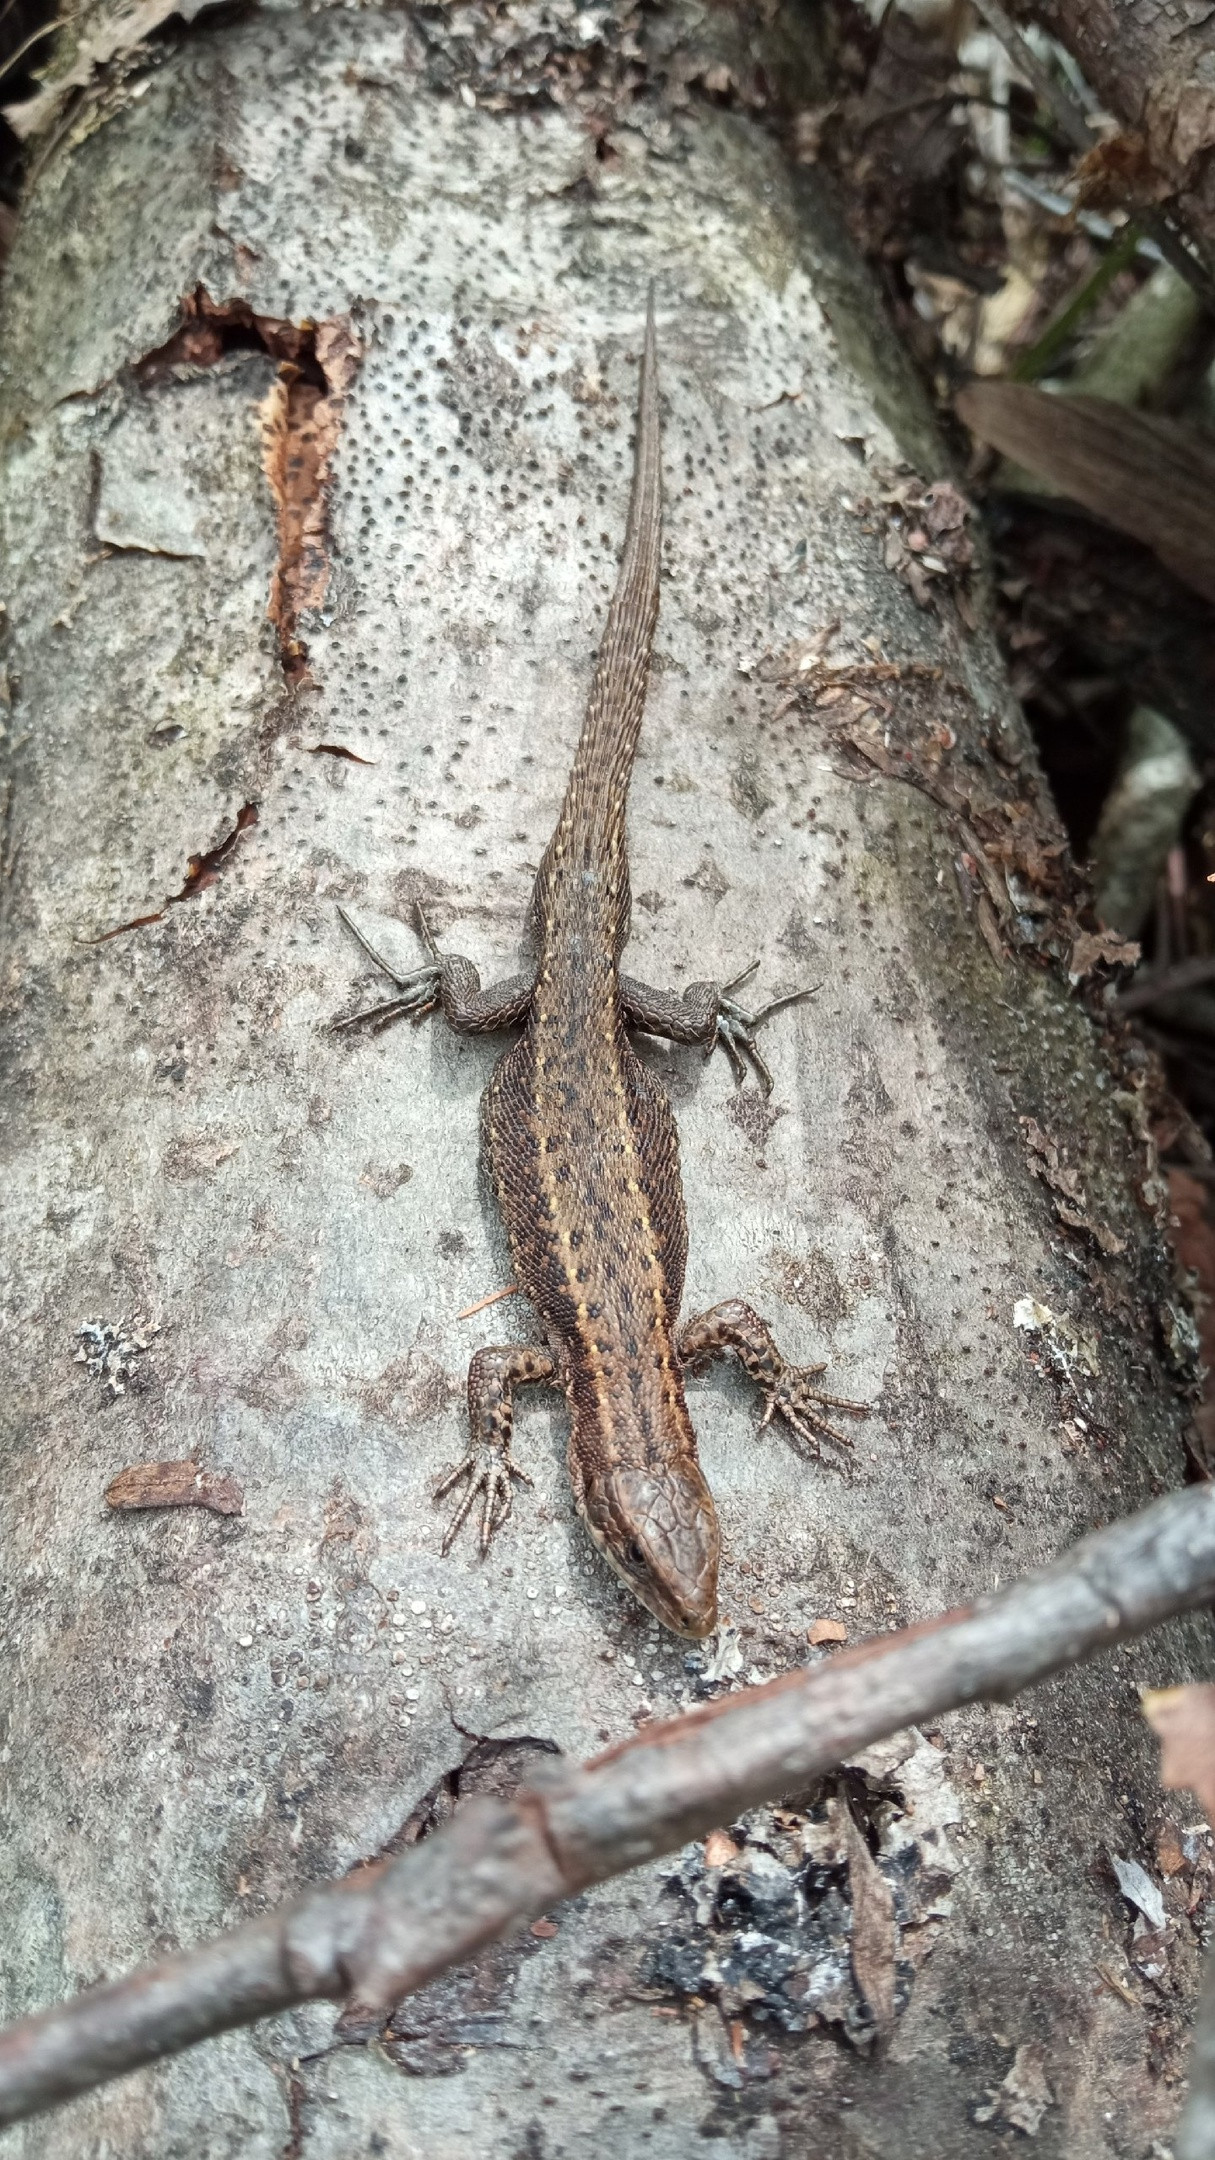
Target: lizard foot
pixel 736 1028
pixel 417 993
pixel 489 1468
pixel 801 1405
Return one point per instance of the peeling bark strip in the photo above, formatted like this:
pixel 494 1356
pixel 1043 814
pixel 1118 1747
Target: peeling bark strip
pixel 337 750
pixel 173 1485
pixel 300 419
pixel 300 422
pixel 201 871
pixel 392 1927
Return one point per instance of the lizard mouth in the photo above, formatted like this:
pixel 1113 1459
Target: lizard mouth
pixel 692 1617
pixel 660 1536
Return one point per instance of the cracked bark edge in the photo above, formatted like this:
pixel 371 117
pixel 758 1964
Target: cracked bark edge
pixel 201 871
pixel 300 420
pixel 378 1936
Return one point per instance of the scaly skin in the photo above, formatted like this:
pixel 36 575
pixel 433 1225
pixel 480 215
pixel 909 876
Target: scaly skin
pixel 584 1156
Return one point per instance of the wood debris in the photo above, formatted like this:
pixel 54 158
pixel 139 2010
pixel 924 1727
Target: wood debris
pixel 175 1485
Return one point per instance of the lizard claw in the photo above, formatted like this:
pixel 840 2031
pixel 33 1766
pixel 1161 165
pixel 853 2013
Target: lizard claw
pixel 801 1405
pixel 489 1471
pixel 736 1028
pixel 417 993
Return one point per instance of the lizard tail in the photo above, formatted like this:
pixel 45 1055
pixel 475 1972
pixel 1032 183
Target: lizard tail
pixel 591 827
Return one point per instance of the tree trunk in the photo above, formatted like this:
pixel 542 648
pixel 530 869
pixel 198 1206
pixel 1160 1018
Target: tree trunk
pixel 305 572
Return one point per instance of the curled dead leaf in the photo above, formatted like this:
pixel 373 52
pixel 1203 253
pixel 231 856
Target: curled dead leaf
pixel 1183 1719
pixel 1096 948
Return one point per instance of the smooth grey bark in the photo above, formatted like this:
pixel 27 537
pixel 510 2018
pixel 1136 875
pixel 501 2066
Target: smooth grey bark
pixel 206 1714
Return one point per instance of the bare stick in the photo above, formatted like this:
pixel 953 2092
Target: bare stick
pixel 1069 118
pixel 495 1296
pixel 1063 107
pixel 387 1931
pixel 1196 2136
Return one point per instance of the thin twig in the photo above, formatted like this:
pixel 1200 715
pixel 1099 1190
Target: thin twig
pixel 27 45
pixel 494 1298
pixel 1067 113
pixel 1196 2138
pixel 388 1930
pixel 1081 138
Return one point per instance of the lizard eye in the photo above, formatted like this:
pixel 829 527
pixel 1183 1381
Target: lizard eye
pixel 633 1554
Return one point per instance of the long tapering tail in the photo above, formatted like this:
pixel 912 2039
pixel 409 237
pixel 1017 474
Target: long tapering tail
pixel 590 832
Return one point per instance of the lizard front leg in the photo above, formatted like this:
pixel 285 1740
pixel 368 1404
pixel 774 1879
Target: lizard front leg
pixel 489 1466
pixel 706 1012
pixel 787 1388
pixel 446 979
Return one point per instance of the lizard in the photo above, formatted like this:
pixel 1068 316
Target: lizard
pixel 583 1155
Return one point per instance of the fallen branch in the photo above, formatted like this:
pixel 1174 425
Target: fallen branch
pixel 1152 72
pixel 386 1931
pixel 1196 2132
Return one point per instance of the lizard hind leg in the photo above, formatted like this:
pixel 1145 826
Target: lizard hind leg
pixel 417 992
pixel 489 1466
pixel 708 1013
pixel 736 1028
pixel 446 979
pixel 789 1390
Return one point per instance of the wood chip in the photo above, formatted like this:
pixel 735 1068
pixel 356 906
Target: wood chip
pixel 823 1631
pixel 874 1933
pixel 175 1484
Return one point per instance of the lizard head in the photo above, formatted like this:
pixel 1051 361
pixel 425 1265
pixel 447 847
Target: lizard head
pixel 657 1527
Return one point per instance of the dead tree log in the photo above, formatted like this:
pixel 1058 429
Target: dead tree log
pixel 318 364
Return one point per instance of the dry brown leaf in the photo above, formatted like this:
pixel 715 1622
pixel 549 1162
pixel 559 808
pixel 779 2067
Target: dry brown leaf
pixel 1093 947
pixel 874 1933
pixel 1145 475
pixel 1170 1855
pixel 1183 1719
pixel 175 1484
pixel 1115 172
pixel 720 1848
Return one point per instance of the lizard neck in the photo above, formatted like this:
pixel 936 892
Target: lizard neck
pixel 583 881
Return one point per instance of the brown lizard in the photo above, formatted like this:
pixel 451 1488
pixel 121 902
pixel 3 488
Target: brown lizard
pixel 584 1156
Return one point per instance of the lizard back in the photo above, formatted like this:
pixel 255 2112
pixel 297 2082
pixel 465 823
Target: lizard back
pixel 581 1140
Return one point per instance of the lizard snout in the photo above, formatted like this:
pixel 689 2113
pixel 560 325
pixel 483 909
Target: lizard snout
pixel 658 1529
